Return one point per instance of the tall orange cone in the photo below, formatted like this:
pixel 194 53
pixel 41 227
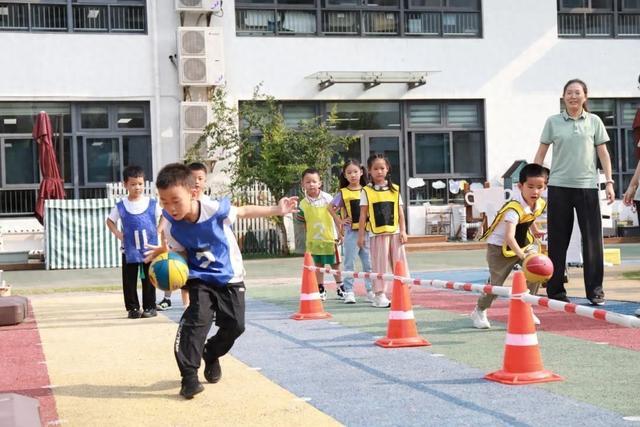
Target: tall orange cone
pixel 401 330
pixel 310 303
pixel 522 360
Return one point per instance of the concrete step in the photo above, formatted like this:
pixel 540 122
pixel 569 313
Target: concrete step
pixel 434 238
pixel 444 246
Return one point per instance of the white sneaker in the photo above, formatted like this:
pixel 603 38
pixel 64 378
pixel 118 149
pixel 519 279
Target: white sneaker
pixel 381 301
pixel 323 296
pixel 371 296
pixel 349 298
pixel 536 321
pixel 637 313
pixel 479 318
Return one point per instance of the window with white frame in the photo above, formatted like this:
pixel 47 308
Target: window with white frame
pixel 599 18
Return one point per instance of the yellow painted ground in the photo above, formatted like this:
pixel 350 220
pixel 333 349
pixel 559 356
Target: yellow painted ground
pixel 107 370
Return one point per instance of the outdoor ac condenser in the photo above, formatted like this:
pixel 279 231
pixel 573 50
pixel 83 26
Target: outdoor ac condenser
pixel 201 56
pixel 198 5
pixel 194 116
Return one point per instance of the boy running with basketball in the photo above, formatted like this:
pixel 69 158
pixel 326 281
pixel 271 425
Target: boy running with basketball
pixel 201 231
pixel 511 236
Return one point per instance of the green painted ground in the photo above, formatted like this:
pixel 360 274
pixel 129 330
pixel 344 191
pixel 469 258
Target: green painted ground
pixel 604 376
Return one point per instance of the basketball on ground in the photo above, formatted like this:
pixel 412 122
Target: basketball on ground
pixel 537 268
pixel 168 271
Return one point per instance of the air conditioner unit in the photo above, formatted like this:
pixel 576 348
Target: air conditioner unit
pixel 198 5
pixel 201 56
pixel 194 117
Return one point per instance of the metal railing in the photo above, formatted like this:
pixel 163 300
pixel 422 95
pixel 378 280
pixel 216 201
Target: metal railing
pixel 54 17
pixel 598 24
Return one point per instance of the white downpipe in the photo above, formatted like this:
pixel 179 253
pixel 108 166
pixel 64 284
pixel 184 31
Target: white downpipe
pixel 155 107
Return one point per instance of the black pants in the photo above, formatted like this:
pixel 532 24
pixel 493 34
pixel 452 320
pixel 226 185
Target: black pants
pixel 562 202
pixel 227 302
pixel 130 285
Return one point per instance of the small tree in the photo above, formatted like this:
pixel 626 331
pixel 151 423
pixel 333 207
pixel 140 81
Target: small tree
pixel 265 149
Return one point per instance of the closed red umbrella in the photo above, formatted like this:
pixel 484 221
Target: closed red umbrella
pixel 51 186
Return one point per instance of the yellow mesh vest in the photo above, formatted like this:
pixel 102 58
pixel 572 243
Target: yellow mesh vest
pixel 523 232
pixel 320 229
pixel 383 209
pixel 351 199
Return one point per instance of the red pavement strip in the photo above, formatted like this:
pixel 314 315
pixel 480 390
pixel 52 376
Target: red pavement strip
pixel 21 367
pixel 551 321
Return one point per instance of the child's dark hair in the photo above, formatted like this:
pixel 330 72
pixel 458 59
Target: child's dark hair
pixel 310 171
pixel 174 175
pixel 533 170
pixel 372 158
pixel 197 166
pixel 344 182
pixel 132 171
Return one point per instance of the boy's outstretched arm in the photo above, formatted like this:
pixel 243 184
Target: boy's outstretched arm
pixel 285 206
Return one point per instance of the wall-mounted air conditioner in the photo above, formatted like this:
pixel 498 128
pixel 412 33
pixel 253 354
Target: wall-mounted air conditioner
pixel 198 5
pixel 194 117
pixel 201 56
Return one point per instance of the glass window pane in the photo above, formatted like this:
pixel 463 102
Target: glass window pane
pixel 425 115
pixel 602 4
pixel 66 163
pixel 393 3
pixel 465 24
pixel 468 157
pixel 255 21
pixel 341 22
pixel 432 153
pixel 128 18
pixel 605 109
pixel 631 159
pixel 629 111
pixel 342 2
pixel 298 2
pixel 103 160
pixel 612 147
pixel 21 161
pixel 136 150
pixel 19 117
pixel 464 4
pixel 573 4
pixel 366 115
pixel 390 147
pixel 380 22
pixel 255 2
pixel 426 3
pixel 131 117
pixel 630 4
pixel 94 117
pixel 14 16
pixel 49 17
pixel 90 18
pixel 297 22
pixel 296 113
pixel 463 115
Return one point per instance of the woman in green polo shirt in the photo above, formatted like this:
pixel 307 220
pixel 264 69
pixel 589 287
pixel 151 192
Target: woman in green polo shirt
pixel 579 139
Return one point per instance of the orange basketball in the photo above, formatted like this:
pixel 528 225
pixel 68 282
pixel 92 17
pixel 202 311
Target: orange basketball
pixel 537 268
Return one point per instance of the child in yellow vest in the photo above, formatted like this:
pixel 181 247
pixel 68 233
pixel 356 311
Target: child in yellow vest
pixel 381 205
pixel 510 236
pixel 321 234
pixel 347 202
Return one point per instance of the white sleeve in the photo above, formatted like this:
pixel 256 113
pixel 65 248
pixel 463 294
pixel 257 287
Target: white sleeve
pixel 173 243
pixel 232 216
pixel 158 212
pixel 364 201
pixel 114 215
pixel 401 203
pixel 511 216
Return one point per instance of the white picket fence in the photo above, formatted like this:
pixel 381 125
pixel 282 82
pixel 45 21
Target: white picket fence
pixel 256 236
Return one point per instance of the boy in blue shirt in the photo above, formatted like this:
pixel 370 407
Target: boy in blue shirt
pixel 201 231
pixel 139 217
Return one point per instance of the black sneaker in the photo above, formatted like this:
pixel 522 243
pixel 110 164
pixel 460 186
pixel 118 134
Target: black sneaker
pixel 212 371
pixel 190 388
pixel 163 305
pixel 340 291
pixel 134 314
pixel 596 301
pixel 149 312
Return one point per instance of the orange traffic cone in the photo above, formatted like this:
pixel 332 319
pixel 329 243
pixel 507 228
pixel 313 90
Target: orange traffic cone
pixel 310 303
pixel 401 330
pixel 522 360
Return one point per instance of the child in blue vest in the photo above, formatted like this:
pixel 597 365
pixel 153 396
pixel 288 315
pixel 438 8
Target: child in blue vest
pixel 511 235
pixel 139 217
pixel 200 230
pixel 199 172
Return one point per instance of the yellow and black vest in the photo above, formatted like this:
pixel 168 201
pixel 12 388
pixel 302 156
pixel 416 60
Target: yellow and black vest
pixel 351 199
pixel 523 233
pixel 383 209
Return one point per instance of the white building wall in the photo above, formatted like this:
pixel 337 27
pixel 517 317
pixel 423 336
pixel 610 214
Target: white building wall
pixel 519 68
